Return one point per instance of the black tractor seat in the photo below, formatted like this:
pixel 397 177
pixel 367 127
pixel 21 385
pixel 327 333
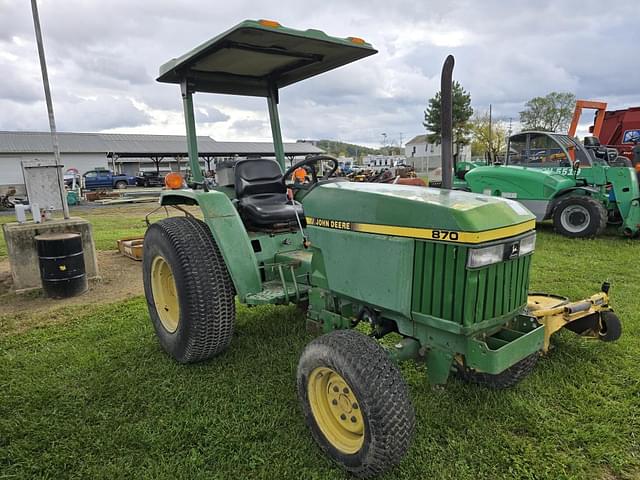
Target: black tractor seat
pixel 262 197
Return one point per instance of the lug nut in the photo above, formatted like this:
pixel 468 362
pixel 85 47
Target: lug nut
pixel 354 419
pixel 345 391
pixel 343 417
pixel 336 389
pixel 354 406
pixel 334 402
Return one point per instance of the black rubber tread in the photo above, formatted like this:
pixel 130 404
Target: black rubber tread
pixel 382 394
pixel 599 216
pixel 610 327
pixel 502 380
pixel 206 294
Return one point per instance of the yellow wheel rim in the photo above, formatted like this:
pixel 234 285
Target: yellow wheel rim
pixel 336 410
pixel 165 294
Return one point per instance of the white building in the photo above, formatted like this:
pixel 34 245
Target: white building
pixel 383 161
pixel 425 156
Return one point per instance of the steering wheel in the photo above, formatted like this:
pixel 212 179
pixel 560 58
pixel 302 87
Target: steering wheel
pixel 311 161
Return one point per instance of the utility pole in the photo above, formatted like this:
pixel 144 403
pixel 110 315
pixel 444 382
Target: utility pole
pixel 47 95
pixel 490 139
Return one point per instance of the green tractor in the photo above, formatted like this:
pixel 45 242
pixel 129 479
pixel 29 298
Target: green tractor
pixel 444 279
pixel 559 179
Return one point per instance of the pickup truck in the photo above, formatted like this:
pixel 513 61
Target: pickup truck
pixel 97 179
pixel 150 179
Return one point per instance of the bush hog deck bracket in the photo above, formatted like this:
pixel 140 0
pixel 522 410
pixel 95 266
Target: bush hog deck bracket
pixel 591 317
pixel 450 276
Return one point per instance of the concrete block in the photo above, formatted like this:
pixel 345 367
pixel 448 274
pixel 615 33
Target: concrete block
pixel 23 255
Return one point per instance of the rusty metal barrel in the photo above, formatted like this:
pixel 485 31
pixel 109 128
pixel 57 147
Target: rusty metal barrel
pixel 61 260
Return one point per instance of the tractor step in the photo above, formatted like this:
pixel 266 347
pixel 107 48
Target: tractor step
pixel 276 292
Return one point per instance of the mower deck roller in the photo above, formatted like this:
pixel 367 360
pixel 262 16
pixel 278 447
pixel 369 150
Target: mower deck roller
pixel 447 271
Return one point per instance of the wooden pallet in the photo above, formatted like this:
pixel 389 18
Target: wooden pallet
pixel 131 247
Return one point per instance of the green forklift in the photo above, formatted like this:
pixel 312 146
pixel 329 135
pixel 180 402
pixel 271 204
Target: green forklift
pixel 559 179
pixel 445 279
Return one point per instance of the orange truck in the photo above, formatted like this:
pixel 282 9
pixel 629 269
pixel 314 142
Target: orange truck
pixel 617 129
pixel 620 129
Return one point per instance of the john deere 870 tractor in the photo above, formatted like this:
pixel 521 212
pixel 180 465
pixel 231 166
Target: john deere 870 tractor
pixel 445 272
pixel 557 178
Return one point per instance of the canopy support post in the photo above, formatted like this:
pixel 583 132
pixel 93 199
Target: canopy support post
pixel 276 133
pixel 192 139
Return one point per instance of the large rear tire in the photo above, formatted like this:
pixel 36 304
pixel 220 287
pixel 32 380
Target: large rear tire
pixel 580 217
pixel 121 185
pixel 355 402
pixel 189 291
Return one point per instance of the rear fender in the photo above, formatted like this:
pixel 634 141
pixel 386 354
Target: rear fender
pixel 229 233
pixel 561 195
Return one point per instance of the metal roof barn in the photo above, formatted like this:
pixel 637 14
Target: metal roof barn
pixel 128 153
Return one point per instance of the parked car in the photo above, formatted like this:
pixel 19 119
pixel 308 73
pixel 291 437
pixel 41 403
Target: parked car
pixel 97 179
pixel 149 179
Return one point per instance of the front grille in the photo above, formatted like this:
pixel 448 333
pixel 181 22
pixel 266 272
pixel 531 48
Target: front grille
pixel 443 287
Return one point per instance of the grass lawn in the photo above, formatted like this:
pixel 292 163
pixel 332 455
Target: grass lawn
pixel 109 223
pixel 93 396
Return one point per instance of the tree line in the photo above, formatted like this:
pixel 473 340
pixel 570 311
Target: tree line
pixel 551 113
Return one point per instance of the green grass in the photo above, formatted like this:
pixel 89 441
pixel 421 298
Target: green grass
pixel 95 397
pixel 109 223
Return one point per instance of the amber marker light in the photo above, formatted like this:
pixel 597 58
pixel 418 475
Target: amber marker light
pixel 173 180
pixel 357 40
pixel 269 23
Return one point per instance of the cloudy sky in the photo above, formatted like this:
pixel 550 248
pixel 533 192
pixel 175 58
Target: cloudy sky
pixel 104 56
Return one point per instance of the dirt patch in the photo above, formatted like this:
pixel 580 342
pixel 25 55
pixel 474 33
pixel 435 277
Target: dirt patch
pixel 121 278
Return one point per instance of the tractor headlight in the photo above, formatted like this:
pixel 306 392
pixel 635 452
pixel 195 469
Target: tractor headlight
pixel 528 244
pixel 480 257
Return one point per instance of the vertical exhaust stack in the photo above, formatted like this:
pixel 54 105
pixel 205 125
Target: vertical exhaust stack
pixel 446 121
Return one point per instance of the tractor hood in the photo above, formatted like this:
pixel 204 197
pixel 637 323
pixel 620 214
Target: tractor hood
pixel 412 211
pixel 519 182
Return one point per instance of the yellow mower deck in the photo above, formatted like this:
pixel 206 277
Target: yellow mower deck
pixel 556 312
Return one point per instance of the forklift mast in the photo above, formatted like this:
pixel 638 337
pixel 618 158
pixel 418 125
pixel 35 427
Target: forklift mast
pixel 599 107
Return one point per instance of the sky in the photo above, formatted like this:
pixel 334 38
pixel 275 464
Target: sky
pixel 103 58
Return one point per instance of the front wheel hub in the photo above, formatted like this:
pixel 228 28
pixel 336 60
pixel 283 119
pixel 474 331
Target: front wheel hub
pixel 336 410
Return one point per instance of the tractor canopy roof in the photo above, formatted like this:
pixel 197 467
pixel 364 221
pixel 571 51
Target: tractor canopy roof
pixel 255 57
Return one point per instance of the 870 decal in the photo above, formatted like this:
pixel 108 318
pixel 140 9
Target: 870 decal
pixel 444 235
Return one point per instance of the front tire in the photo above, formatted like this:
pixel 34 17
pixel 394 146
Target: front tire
pixel 355 402
pixel 506 379
pixel 189 292
pixel 580 217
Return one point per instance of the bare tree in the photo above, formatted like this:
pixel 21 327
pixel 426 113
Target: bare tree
pixel 487 139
